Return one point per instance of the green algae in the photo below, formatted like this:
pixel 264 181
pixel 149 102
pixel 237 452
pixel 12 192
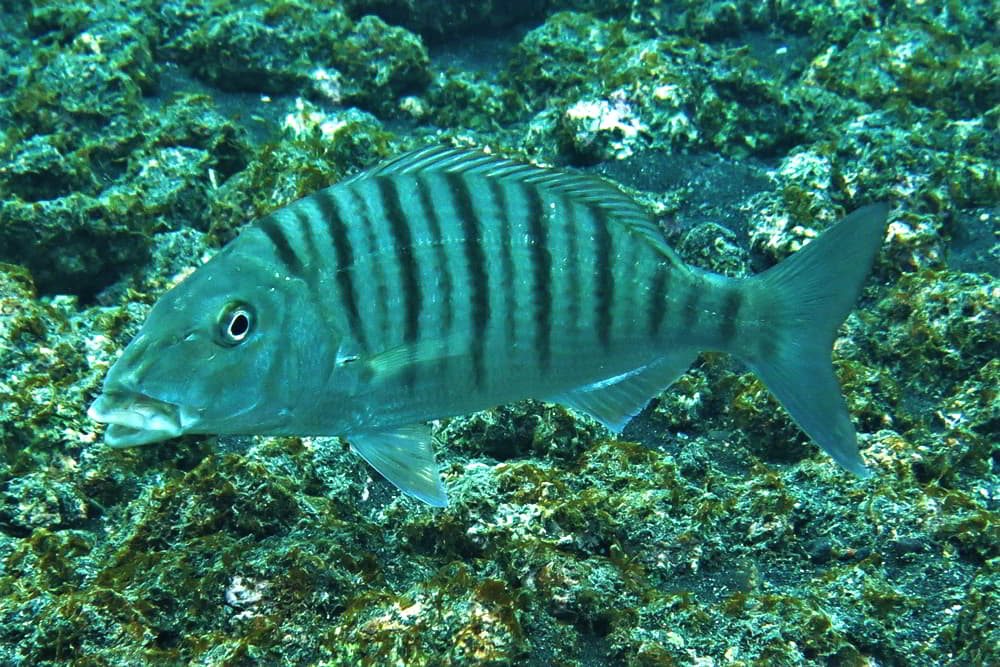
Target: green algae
pixel 381 63
pixel 473 101
pixel 724 538
pixel 314 147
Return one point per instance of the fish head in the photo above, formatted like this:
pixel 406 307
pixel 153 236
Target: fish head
pixel 208 359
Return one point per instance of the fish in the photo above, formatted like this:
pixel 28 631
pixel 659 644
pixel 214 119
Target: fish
pixel 446 281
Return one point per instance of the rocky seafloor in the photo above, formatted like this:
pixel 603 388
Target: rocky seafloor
pixel 138 137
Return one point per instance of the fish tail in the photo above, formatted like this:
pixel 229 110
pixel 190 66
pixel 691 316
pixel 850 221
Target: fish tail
pixel 801 302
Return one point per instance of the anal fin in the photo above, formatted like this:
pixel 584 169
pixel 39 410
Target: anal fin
pixel 614 401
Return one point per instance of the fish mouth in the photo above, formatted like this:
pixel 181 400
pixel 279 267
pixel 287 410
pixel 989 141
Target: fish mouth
pixel 136 419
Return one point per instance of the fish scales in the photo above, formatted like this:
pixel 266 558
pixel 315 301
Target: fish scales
pixel 495 330
pixel 446 281
pixel 498 253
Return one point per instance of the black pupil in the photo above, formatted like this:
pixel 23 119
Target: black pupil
pixel 239 325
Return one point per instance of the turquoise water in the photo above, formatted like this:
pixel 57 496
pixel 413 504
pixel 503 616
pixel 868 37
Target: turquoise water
pixel 139 138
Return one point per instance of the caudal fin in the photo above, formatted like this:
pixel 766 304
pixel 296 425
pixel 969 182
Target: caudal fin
pixel 807 297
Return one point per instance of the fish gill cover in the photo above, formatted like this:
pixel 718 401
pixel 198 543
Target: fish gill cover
pixel 140 137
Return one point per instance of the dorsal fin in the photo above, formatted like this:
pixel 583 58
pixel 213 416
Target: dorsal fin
pixel 584 188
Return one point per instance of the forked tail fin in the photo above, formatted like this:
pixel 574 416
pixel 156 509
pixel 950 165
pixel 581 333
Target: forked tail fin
pixel 804 301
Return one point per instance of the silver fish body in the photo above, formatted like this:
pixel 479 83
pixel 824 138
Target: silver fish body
pixel 447 281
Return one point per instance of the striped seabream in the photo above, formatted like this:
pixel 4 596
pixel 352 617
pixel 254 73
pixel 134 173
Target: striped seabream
pixel 446 281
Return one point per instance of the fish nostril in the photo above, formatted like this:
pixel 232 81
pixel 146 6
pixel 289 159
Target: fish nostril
pixel 125 375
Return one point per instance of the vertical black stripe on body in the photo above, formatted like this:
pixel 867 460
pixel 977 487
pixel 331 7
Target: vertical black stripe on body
pixel 381 324
pixel 329 209
pixel 635 272
pixel 440 253
pixel 605 279
pixel 657 306
pixel 571 232
pixel 317 261
pixel 729 316
pixel 690 308
pixel 289 258
pixel 403 245
pixel 475 260
pixel 314 261
pixel 399 227
pixel 502 205
pixel 767 344
pixel 541 266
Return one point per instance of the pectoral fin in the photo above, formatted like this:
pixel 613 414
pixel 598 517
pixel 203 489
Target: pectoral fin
pixel 405 457
pixel 388 363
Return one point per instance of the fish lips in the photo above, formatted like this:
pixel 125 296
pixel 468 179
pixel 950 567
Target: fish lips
pixel 136 419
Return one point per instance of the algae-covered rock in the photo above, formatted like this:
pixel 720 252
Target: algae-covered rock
pixel 76 232
pixel 930 316
pixel 710 532
pixel 930 67
pixel 171 184
pixel 46 373
pixel 292 47
pixel 716 248
pixel 596 130
pixel 270 49
pixel 658 79
pixel 443 19
pixel 469 100
pixel 73 244
pixel 557 58
pixel 448 20
pixel 458 616
pixel 193 121
pixel 745 111
pixel 664 92
pixel 38 170
pixel 380 63
pixel 42 501
pixel 518 430
pixel 318 149
pixel 102 75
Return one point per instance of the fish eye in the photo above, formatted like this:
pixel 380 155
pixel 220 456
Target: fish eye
pixel 235 324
